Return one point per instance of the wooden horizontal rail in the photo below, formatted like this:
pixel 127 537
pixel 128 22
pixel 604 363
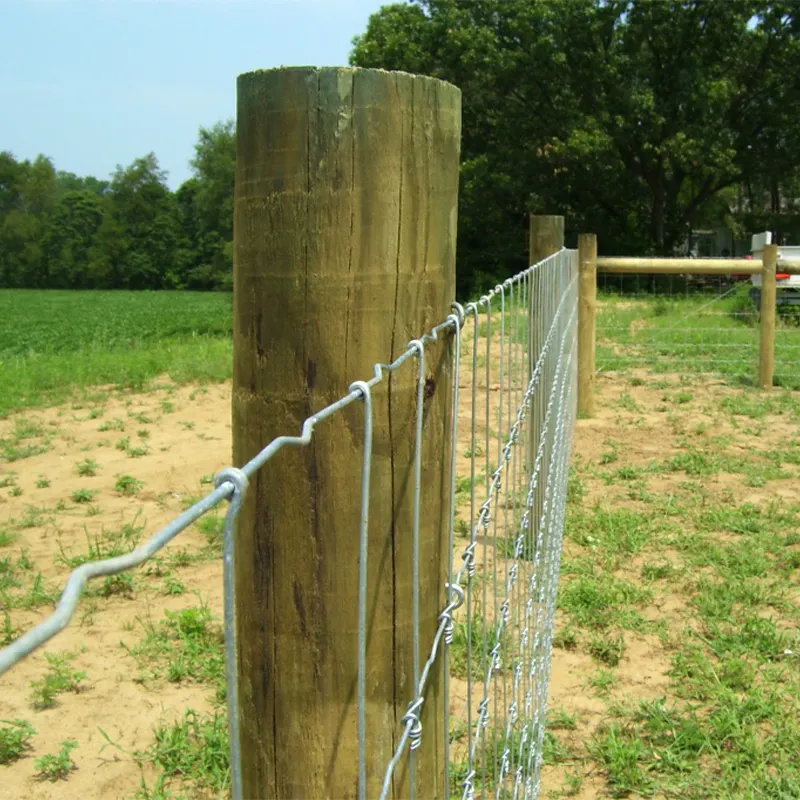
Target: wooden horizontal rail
pixel 681 266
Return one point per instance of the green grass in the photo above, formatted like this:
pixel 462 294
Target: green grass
pixel 194 749
pixel 684 334
pixel 186 646
pixel 53 343
pixel 728 722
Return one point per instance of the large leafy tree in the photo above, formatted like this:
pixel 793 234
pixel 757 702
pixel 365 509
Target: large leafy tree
pixel 630 117
pixel 27 197
pixel 138 244
pixel 69 239
pixel 206 207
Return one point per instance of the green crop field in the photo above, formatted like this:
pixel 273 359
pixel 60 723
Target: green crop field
pixel 53 343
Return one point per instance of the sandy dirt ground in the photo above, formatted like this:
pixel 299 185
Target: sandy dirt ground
pixel 184 435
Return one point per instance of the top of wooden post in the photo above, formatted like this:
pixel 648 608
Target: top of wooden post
pixel 546 236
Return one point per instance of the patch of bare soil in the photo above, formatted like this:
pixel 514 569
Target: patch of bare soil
pixel 186 436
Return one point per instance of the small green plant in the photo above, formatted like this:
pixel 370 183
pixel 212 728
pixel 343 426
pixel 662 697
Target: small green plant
pixel 167 406
pixel 15 739
pixel 656 572
pixel 33 517
pixel 603 681
pixel 56 767
pixel 607 649
pixel 93 511
pixel 59 678
pixel 16 491
pixel 120 584
pixel 42 483
pixel 197 746
pixel 173 585
pixel 207 480
pixel 83 495
pixel 125 446
pixel 9 479
pixel 566 639
pixel 143 419
pixel 143 433
pixel 86 468
pixel 626 402
pixel 186 646
pixel 112 425
pixel 127 485
pixel 8 631
pixel 7 537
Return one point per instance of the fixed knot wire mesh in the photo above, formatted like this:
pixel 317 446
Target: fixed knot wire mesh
pixel 516 375
pixel 483 658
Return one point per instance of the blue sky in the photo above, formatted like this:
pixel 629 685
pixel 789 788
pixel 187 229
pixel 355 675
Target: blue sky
pixel 94 84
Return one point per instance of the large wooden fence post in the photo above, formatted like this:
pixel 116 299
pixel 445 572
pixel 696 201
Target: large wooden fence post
pixel 545 237
pixel 587 307
pixel 766 354
pixel 344 250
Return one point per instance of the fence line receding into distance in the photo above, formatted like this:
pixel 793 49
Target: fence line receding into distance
pixel 510 429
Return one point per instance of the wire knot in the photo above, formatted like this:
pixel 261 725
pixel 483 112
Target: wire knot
pixel 460 315
pixel 412 716
pixel 469 560
pixel 416 344
pixel 469 788
pixel 360 386
pixel 234 476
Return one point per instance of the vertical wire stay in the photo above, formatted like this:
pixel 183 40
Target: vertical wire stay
pixel 458 321
pixel 239 481
pixel 364 389
pixel 486 666
pixel 419 347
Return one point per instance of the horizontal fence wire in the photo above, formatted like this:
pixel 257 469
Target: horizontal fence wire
pixel 506 498
pixel 702 323
pixel 676 324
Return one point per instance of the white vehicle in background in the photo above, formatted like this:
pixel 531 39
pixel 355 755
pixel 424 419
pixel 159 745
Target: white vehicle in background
pixel 787 286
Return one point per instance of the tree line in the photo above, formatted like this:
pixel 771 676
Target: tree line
pixel 62 231
pixel 641 121
pixel 638 120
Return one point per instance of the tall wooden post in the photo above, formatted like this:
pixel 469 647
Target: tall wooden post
pixel 766 355
pixel 587 307
pixel 344 250
pixel 545 237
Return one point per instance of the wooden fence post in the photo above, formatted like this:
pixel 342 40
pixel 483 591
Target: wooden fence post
pixel 545 237
pixel 587 306
pixel 766 354
pixel 344 250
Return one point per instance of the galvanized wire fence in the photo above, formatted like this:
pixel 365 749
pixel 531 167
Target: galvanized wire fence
pixel 684 324
pixel 511 427
pixel 522 414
